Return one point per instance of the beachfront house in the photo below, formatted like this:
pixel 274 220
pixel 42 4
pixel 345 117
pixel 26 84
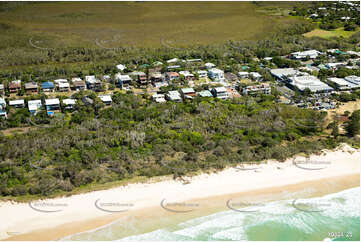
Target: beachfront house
pixel 69 103
pixel 52 105
pixel 14 86
pixel 47 86
pixel 220 92
pixel 216 74
pixel 17 103
pixel 31 87
pixel 93 83
pixel 174 96
pixel 34 106
pixel 106 99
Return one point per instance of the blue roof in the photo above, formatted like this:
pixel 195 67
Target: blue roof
pixel 46 85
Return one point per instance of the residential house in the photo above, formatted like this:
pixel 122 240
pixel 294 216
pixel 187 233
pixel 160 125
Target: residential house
pixel 52 105
pixel 334 66
pixel 34 106
pixel 205 93
pixel 47 86
pixel 243 75
pixel 188 93
pixel 3 108
pixel 121 67
pixel 229 76
pixel 69 103
pixel 187 75
pixel 220 92
pixel 62 85
pixel 209 65
pixel 202 74
pixel 264 88
pixel 93 83
pixel 106 78
pixel 123 81
pixel 14 86
pixel 87 101
pixel 140 77
pixel 106 99
pixel 17 103
pixel 216 74
pixel 159 98
pixel 2 90
pixel 174 60
pixel 171 76
pixel 255 76
pixel 174 96
pixel 79 85
pixel 31 87
pixel 311 54
pixel 157 79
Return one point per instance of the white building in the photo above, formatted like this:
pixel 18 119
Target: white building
pixel 34 106
pixel 174 96
pixel 341 84
pixel 257 89
pixel 106 99
pixel 17 103
pixel 121 67
pixel 220 92
pixel 354 80
pixel 310 82
pixel 159 98
pixel 69 103
pixel 283 74
pixel 216 74
pixel 202 74
pixel 243 74
pixel 312 54
pixel 209 65
pixel 255 76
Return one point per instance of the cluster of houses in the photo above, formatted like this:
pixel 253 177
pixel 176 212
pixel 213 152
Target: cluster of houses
pixel 225 85
pixel 341 8
pixel 51 105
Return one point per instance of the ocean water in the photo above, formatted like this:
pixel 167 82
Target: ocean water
pixel 335 216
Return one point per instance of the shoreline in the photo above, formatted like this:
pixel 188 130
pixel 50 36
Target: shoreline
pixel 271 181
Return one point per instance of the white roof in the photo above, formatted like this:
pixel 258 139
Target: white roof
pixel 174 95
pixel 16 102
pixel 243 73
pixel 122 77
pixel 202 72
pixel 160 100
pixel 156 95
pixel 121 67
pixel 1 86
pixel 209 65
pixel 283 72
pixel 339 81
pixel 90 79
pixel 105 98
pixel 173 60
pixel 34 102
pixel 220 89
pixel 69 101
pixel 353 79
pixel 2 100
pixel 311 82
pixel 64 85
pixel 187 90
pixel 255 74
pixel 76 79
pixel 58 81
pixel 52 101
pixel 215 70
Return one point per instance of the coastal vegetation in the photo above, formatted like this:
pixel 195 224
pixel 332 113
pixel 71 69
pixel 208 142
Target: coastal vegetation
pixel 138 138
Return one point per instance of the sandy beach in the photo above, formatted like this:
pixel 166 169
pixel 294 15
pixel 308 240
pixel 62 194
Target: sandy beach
pixel 56 218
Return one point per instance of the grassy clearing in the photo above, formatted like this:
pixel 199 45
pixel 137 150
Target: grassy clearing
pixel 115 24
pixel 340 32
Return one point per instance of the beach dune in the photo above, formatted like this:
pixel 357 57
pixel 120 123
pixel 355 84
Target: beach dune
pixel 53 219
